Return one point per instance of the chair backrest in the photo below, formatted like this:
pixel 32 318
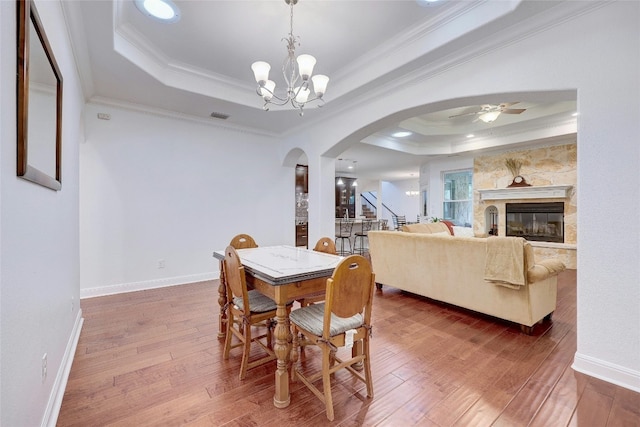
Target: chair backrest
pixel 234 277
pixel 345 226
pixel 243 241
pixel 326 245
pixel 366 225
pixel 349 291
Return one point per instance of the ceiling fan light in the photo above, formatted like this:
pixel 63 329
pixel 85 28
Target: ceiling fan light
pixel 401 134
pixel 490 116
pixel 305 66
pixel 261 71
pixel 320 82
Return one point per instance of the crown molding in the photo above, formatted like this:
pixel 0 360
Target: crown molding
pixel 79 48
pixel 158 112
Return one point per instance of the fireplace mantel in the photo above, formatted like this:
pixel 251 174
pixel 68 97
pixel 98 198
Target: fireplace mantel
pixel 539 192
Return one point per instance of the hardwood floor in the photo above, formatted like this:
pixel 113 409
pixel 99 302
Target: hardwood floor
pixel 152 358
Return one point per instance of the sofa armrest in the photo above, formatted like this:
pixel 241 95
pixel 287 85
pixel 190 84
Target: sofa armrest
pixel 544 269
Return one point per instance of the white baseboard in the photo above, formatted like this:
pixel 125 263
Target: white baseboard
pixel 147 284
pixel 52 411
pixel 606 371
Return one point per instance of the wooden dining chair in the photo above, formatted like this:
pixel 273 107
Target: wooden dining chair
pixel 326 245
pixel 245 310
pixel 344 320
pixel 243 241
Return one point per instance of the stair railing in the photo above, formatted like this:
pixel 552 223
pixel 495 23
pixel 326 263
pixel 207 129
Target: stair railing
pixel 369 195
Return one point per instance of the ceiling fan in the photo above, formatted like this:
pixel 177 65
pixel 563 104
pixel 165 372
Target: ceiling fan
pixel 490 112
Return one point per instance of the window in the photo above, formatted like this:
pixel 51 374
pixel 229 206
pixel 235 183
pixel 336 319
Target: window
pixel 458 197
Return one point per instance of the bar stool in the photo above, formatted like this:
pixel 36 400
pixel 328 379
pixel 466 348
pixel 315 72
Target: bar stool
pixel 346 225
pixel 362 237
pixel 399 221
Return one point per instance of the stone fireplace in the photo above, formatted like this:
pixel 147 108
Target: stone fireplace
pixel 551 171
pixel 542 222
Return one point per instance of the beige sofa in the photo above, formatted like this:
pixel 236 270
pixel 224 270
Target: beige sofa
pixel 497 277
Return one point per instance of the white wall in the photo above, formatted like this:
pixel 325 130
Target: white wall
pixel 160 188
pixel 431 174
pixel 603 65
pixel 395 198
pixel 39 267
pixel 393 195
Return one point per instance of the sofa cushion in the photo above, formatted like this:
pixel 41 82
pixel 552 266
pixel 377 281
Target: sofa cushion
pixel 426 228
pixel 463 231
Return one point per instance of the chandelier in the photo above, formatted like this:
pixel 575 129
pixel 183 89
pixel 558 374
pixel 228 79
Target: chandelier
pixel 296 71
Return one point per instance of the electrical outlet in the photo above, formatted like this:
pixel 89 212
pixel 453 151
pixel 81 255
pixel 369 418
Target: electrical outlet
pixel 160 263
pixel 43 373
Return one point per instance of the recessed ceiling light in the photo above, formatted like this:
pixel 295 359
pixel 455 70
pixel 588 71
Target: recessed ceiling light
pixel 401 134
pixel 160 10
pixel 574 114
pixel 470 135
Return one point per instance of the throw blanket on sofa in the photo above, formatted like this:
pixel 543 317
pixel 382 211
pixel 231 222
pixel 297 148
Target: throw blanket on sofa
pixel 505 261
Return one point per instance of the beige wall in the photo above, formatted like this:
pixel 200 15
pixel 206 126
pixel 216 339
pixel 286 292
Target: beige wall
pixel 555 165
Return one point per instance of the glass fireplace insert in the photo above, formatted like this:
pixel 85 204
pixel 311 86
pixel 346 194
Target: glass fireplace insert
pixel 543 222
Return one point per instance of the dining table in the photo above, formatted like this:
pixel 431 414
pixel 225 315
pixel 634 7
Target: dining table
pixel 283 273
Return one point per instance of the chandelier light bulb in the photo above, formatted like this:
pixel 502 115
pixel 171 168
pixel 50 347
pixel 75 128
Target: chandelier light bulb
pixel 261 71
pixel 305 66
pixel 268 90
pixel 320 82
pixel 302 94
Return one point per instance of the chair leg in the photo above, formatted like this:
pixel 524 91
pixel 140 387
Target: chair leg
pixel 270 326
pixel 227 339
pixel 246 349
pixel 326 381
pixel 356 351
pixel 294 353
pixel 367 368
